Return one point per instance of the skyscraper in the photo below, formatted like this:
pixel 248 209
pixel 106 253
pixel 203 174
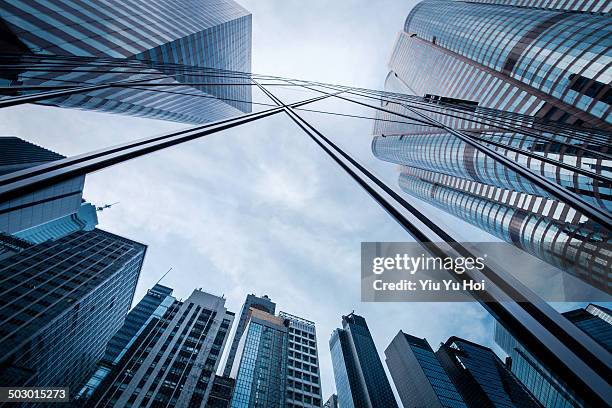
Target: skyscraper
pixel 529 57
pixel 332 402
pixel 303 376
pixel 41 206
pixel 543 381
pixel 215 34
pixel 221 392
pixel 419 377
pixel 260 366
pixel 252 301
pixel 61 301
pixel 172 358
pixel 480 376
pixel 360 377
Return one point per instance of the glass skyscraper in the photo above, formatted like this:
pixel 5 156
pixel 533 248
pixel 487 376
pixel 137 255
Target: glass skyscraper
pixel 543 381
pixel 361 380
pixel 41 206
pixel 303 376
pixel 252 301
pixel 215 34
pixel 419 378
pixel 166 354
pixel 481 377
pixel 61 301
pixel 260 365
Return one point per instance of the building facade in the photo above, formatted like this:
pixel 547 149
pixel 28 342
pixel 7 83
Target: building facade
pixel 263 303
pixel 61 301
pixel 41 206
pixel 260 365
pixel 303 375
pixel 481 377
pixel 171 360
pixel 419 377
pixel 212 34
pixel 361 380
pixel 332 402
pixel 542 381
pixel 221 392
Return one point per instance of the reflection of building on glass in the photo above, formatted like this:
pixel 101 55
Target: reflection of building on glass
pixel 543 381
pixel 62 300
pixel 212 34
pixel 361 380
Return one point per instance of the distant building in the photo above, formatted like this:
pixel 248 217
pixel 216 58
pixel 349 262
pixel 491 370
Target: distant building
pixel 419 377
pixel 332 402
pixel 542 381
pixel 60 200
pixel 252 301
pixel 260 365
pixel 361 380
pixel 481 377
pixel 173 356
pixel 303 375
pixel 61 301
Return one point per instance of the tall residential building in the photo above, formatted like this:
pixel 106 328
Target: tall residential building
pixel 303 375
pixel 361 380
pixel 252 301
pixel 543 381
pixel 41 206
pixel 213 34
pixel 419 377
pixel 332 402
pixel 61 301
pixel 481 377
pixel 172 358
pixel 260 366
pixel 545 59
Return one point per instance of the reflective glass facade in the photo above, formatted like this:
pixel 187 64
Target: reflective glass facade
pixel 260 367
pixel 419 378
pixel 214 34
pixel 172 359
pixel 361 380
pixel 61 302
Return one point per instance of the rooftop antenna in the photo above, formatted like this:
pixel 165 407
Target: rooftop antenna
pixel 163 276
pixel 105 206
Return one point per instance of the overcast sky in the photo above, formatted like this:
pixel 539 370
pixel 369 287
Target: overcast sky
pixel 259 209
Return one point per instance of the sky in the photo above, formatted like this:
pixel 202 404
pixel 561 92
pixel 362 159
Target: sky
pixel 259 209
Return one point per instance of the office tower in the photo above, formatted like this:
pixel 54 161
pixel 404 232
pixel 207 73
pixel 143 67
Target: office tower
pixel 221 392
pixel 332 402
pixel 419 377
pixel 61 301
pixel 214 34
pixel 520 56
pixel 360 377
pixel 260 365
pixel 252 301
pixel 544 382
pixel 172 359
pixel 481 377
pixel 152 306
pixel 43 205
pixel 303 376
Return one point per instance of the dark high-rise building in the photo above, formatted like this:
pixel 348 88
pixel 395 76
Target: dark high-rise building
pixel 41 206
pixel 532 57
pixel 214 34
pixel 252 301
pixel 542 381
pixel 260 365
pixel 360 377
pixel 221 392
pixel 61 301
pixel 303 376
pixel 481 377
pixel 171 360
pixel 419 377
pixel 332 402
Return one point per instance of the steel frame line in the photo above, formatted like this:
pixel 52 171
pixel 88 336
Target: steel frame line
pixel 587 209
pixel 495 307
